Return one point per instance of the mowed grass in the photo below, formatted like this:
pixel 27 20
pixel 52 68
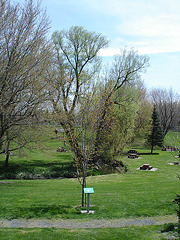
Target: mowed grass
pixel 125 233
pixel 132 194
pixel 39 160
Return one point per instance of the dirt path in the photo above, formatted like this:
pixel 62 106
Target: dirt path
pixel 93 223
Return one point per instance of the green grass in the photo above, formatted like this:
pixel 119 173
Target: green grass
pixel 39 160
pixel 125 233
pixel 132 194
pixel 173 139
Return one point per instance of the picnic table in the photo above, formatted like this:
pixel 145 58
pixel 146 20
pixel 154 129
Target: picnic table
pixel 132 151
pixel 133 155
pixel 146 167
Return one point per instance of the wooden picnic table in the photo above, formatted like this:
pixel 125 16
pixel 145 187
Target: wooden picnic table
pixel 132 155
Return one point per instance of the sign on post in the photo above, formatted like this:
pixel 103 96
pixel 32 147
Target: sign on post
pixel 88 191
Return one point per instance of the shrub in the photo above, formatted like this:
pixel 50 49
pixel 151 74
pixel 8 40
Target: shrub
pixel 168 227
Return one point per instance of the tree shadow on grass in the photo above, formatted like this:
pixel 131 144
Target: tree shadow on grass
pixel 37 169
pixel 145 153
pixel 39 211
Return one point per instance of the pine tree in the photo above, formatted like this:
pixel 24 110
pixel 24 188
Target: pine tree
pixel 156 137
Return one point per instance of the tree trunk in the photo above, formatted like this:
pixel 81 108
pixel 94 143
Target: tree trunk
pixel 179 217
pixel 98 141
pixel 72 139
pixel 1 144
pixel 79 157
pixel 83 195
pixel 7 160
pixel 7 152
pixel 152 146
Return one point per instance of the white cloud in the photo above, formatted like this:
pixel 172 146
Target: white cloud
pixel 153 34
pixel 109 52
pixel 157 45
pixel 149 26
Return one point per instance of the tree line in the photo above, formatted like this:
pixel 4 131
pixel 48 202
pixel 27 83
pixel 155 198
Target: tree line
pixel 100 108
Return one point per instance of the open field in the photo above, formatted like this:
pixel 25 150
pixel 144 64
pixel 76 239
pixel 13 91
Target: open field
pixel 132 194
pixel 136 193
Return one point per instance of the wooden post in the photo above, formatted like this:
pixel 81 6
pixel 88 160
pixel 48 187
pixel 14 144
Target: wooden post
pixel 88 195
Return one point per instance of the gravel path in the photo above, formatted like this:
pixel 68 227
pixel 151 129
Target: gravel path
pixel 94 223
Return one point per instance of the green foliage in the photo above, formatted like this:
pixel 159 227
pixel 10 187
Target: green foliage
pixel 144 115
pixel 76 50
pixel 171 231
pixel 123 127
pixel 118 126
pixel 78 46
pixel 156 137
pixel 168 227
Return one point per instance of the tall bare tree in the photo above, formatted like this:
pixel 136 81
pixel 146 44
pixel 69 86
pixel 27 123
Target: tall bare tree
pixel 168 106
pixel 24 54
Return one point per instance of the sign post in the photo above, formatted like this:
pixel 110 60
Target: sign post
pixel 88 191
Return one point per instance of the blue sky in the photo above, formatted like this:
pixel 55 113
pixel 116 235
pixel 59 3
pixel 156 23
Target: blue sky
pixel 150 26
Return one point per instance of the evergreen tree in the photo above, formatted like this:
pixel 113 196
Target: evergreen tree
pixel 156 137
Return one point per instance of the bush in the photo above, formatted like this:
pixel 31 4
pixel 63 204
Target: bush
pixel 168 227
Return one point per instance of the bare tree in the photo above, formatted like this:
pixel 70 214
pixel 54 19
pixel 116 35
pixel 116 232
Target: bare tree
pixel 24 54
pixel 168 106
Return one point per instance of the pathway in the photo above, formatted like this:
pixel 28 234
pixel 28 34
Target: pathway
pixel 93 223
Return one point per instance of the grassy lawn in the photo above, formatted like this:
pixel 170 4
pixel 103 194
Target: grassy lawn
pixel 132 194
pixel 38 160
pixel 135 193
pixel 135 233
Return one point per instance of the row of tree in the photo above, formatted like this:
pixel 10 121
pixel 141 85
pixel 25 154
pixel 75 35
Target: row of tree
pixel 100 108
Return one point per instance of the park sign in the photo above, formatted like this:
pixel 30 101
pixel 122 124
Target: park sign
pixel 88 190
